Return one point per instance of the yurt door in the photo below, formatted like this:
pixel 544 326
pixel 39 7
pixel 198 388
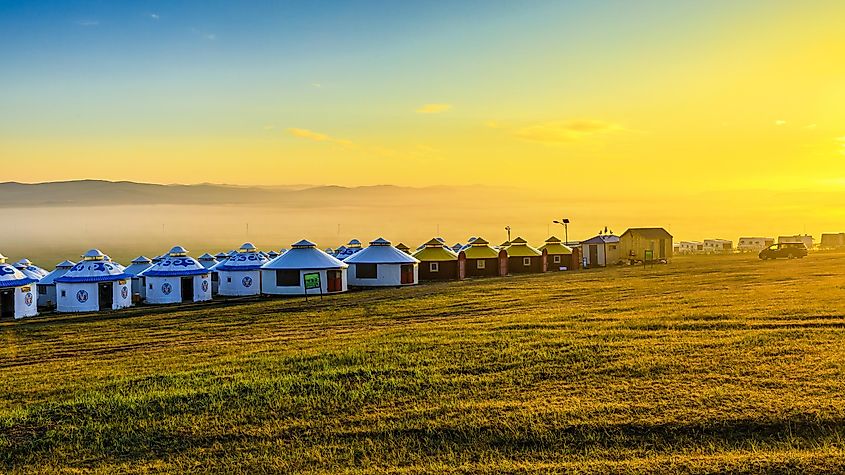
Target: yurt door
pixel 407 274
pixel 187 289
pixel 335 281
pixel 106 295
pixel 7 303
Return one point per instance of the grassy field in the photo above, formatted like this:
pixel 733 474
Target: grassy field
pixel 708 364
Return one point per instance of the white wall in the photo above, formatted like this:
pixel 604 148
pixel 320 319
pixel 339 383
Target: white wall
pixel 585 253
pixel 387 275
pixel 70 302
pixel 156 289
pixel 237 286
pixel 268 283
pixel 26 301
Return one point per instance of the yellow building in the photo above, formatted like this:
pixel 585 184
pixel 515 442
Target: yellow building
pixel 645 244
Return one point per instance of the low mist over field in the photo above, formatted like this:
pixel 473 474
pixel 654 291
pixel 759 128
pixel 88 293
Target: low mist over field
pixel 54 221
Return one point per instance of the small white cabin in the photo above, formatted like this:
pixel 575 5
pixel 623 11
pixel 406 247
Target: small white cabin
pixel 286 274
pixel 94 284
pixel 17 297
pixel 177 278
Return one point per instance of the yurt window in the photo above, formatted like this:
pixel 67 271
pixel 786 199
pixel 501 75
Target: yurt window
pixel 366 271
pixel 481 264
pixel 557 259
pixel 228 280
pixel 434 267
pixel 287 278
pixel 64 294
pixel 526 261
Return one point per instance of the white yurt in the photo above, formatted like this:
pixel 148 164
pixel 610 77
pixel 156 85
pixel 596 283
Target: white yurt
pixel 382 265
pixel 177 278
pixel 30 270
pixel 241 274
pixel 92 285
pixel 17 299
pixel 136 270
pixel 284 275
pixel 209 262
pixel 47 285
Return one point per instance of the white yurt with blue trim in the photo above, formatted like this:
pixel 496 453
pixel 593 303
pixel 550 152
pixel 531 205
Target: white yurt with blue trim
pixel 17 298
pixel 93 284
pixel 382 265
pixel 47 285
pixel 136 270
pixel 240 275
pixel 285 275
pixel 178 278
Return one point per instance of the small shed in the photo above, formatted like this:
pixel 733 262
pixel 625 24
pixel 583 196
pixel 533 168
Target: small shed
pixel 47 285
pixel 437 262
pixel 17 299
pixel 558 255
pixel 645 244
pixel 93 284
pixel 524 259
pixel 382 265
pixel 177 278
pixel 484 261
pixel 285 275
pixel 601 250
pixel 241 274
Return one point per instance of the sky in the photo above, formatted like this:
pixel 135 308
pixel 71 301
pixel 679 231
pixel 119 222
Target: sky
pixel 672 101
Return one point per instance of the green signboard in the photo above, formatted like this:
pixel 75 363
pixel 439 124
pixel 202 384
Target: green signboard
pixel 312 281
pixel 649 255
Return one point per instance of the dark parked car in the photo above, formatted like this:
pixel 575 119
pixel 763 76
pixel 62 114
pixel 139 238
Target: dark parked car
pixel 789 250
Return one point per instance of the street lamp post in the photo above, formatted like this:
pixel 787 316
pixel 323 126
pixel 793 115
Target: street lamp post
pixel 565 223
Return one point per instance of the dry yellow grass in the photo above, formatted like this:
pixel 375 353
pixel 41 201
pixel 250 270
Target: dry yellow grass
pixel 708 364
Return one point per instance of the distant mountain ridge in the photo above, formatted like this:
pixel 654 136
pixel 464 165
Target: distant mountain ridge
pixel 108 193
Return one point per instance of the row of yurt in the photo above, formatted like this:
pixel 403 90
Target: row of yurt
pixel 17 299
pixel 479 259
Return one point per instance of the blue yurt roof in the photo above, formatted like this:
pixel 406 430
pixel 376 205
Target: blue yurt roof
pixel 11 277
pixel 381 251
pixel 29 269
pixel 207 260
pixel 176 264
pixel 304 255
pixel 248 258
pixel 139 265
pixel 93 268
pixel 61 269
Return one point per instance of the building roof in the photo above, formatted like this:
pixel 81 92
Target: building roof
pixel 304 255
pixel 93 268
pixel 402 247
pixel 435 251
pixel 519 248
pixel 247 259
pixel 649 233
pixel 138 266
pixel 480 249
pixel 554 245
pixel 61 269
pixel 381 251
pixel 602 239
pixel 29 269
pixel 176 264
pixel 11 277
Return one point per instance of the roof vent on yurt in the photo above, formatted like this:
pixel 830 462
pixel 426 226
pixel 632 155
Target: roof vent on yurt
pixel 93 255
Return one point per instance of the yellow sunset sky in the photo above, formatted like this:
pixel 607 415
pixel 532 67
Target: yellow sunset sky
pixel 668 101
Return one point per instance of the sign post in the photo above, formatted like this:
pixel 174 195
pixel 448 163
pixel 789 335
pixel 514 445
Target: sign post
pixel 312 281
